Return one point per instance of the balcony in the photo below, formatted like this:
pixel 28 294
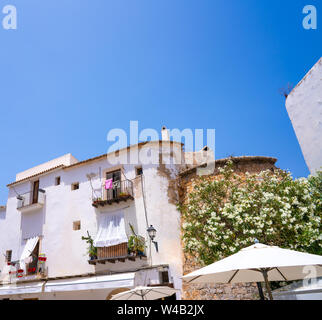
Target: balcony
pixel 31 201
pixel 36 269
pixel 121 191
pixel 116 253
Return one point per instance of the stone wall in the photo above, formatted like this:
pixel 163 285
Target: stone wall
pixel 246 291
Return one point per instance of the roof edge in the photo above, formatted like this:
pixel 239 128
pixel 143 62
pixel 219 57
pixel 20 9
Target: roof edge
pixel 305 76
pixel 35 175
pixel 141 144
pixel 234 159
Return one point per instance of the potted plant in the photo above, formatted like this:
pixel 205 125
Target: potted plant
pixel 136 244
pixel 96 202
pixel 91 250
pixel 123 194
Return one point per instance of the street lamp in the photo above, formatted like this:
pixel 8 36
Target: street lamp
pixel 152 233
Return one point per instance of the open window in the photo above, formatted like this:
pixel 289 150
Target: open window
pixel 115 188
pixel 35 192
pixel 31 268
pixel 164 277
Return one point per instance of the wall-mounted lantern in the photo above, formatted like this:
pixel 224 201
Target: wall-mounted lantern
pixel 152 233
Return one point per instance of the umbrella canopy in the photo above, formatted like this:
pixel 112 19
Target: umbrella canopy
pixel 145 293
pixel 257 263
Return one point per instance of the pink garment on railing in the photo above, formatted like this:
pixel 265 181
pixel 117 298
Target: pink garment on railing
pixel 109 184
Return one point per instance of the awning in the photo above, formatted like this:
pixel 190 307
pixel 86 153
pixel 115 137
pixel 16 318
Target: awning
pixel 29 248
pixel 12 289
pixel 122 280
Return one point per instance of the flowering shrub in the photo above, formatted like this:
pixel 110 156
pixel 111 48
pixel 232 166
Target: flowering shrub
pixel 222 216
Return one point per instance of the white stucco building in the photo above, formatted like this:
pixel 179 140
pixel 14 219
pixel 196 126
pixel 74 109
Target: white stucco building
pixel 304 106
pixel 52 206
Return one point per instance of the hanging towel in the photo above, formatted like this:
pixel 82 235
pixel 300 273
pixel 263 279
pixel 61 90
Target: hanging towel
pixel 111 230
pixel 109 184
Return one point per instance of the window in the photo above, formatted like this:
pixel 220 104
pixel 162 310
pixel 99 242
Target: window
pixel 164 277
pixel 76 225
pixel 139 171
pixel 31 268
pixel 8 255
pixel 57 181
pixel 75 186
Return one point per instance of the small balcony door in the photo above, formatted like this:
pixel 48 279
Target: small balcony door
pixel 116 177
pixel 31 267
pixel 35 192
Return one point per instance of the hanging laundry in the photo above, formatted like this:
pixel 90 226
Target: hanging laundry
pixel 109 184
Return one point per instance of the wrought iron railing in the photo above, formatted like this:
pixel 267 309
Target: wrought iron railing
pixel 29 198
pixel 119 252
pixel 120 190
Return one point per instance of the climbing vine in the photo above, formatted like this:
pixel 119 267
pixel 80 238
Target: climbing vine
pixel 224 215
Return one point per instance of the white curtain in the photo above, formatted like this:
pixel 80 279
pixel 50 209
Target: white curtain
pixel 111 231
pixel 27 251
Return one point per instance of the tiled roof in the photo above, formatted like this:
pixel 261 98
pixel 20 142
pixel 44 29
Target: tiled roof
pixel 35 175
pixel 86 161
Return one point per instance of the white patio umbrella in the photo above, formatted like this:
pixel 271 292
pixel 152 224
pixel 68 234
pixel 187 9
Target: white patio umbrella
pixel 257 263
pixel 145 293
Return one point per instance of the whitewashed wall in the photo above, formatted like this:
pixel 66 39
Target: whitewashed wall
pixel 304 106
pixel 66 252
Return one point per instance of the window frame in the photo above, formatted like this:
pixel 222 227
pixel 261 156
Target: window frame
pixel 8 255
pixel 57 181
pixel 137 169
pixel 77 225
pixel 75 186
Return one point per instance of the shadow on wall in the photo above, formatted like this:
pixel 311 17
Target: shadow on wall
pixel 3 213
pixel 32 223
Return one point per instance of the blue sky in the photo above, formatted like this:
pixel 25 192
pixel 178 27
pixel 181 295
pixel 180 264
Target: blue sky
pixel 70 73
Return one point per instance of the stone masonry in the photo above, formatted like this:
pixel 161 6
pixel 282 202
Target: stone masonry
pixel 245 291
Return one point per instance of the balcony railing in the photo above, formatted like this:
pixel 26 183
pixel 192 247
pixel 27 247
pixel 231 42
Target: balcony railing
pixel 121 191
pixel 36 268
pixel 30 200
pixel 119 252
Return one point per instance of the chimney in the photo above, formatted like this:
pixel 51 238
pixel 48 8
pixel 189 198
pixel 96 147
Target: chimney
pixel 165 134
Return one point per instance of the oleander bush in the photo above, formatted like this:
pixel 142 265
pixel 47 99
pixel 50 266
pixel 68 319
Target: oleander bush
pixel 224 215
